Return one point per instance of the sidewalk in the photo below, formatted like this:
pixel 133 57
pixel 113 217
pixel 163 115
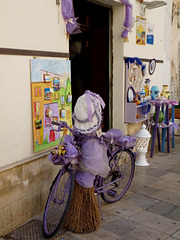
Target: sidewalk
pixel 149 211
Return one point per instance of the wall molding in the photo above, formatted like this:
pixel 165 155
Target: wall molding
pixel 148 59
pixel 36 53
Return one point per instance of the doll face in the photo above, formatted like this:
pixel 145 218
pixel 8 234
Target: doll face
pixel 154 93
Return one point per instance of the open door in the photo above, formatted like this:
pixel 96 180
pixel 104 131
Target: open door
pixel 89 53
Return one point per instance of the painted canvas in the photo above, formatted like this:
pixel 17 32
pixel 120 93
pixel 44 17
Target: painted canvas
pixel 50 88
pixel 140 31
pixel 150 33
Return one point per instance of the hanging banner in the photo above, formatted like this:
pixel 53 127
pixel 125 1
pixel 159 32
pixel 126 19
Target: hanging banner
pixel 140 31
pixel 51 100
pixel 150 33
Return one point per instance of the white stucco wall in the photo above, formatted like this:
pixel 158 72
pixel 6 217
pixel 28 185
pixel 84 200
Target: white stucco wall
pixel 118 74
pixel 175 54
pixel 167 44
pixel 31 25
pixel 131 49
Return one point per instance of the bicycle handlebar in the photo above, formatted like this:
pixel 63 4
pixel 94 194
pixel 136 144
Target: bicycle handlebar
pixel 56 123
pixel 62 124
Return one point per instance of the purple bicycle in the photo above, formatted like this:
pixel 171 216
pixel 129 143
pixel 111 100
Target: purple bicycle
pixel 111 188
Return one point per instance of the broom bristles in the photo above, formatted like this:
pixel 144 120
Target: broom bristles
pixel 83 215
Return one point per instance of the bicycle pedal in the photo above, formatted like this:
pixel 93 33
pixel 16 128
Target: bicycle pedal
pixel 111 192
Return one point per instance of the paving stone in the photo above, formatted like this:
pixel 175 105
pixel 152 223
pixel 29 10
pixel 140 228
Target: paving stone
pixel 141 201
pixel 107 217
pixel 156 170
pixel 142 189
pixel 144 179
pixel 171 177
pixel 121 226
pixel 145 233
pixel 100 234
pixel 166 196
pixel 167 186
pixel 156 222
pixel 68 236
pixel 176 234
pixel 121 208
pixel 167 210
pixel 171 238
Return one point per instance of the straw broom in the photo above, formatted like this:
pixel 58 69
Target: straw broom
pixel 83 215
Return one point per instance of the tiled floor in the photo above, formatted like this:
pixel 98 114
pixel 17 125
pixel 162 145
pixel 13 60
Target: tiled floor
pixel 151 208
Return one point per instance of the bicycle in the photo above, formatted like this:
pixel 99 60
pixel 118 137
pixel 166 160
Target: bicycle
pixel 111 189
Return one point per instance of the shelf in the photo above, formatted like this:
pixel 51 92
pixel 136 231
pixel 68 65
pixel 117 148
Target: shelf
pixel 132 111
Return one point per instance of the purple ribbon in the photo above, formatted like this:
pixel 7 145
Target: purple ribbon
pixel 172 102
pixel 88 98
pixel 128 17
pixel 72 26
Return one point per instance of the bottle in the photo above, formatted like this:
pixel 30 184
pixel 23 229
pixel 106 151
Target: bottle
pixel 142 95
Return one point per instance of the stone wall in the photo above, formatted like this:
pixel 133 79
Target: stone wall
pixel 23 192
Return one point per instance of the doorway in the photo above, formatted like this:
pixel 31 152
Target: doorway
pixel 89 54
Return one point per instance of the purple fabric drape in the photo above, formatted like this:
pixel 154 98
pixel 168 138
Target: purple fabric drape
pixel 128 17
pixel 72 27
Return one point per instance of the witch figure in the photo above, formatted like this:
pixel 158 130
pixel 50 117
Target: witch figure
pixel 83 215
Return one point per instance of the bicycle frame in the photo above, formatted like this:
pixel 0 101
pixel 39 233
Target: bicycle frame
pixel 99 189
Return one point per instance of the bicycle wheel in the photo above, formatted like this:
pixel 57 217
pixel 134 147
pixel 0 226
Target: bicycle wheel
pixel 58 202
pixel 116 184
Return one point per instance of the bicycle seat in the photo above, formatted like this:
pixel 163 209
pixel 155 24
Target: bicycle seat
pixel 113 134
pixel 126 141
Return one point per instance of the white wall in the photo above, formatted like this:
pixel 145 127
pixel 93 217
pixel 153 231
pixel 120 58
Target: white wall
pixel 118 74
pixel 31 25
pixel 167 44
pixel 157 17
pixel 130 49
pixel 175 54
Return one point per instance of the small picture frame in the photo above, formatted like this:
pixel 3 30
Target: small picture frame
pixel 69 98
pixel 130 94
pixel 37 112
pixel 55 119
pixel 47 94
pixel 62 100
pixel 48 112
pixel 56 83
pixel 68 114
pixel 62 113
pixel 48 122
pixel 38 123
pixel 56 95
pixel 37 92
pixel 152 66
pixel 47 77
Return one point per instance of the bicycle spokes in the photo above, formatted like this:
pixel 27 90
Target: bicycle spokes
pixel 116 184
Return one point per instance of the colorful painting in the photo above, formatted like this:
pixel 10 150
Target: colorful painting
pixel 50 88
pixel 140 30
pixel 150 33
